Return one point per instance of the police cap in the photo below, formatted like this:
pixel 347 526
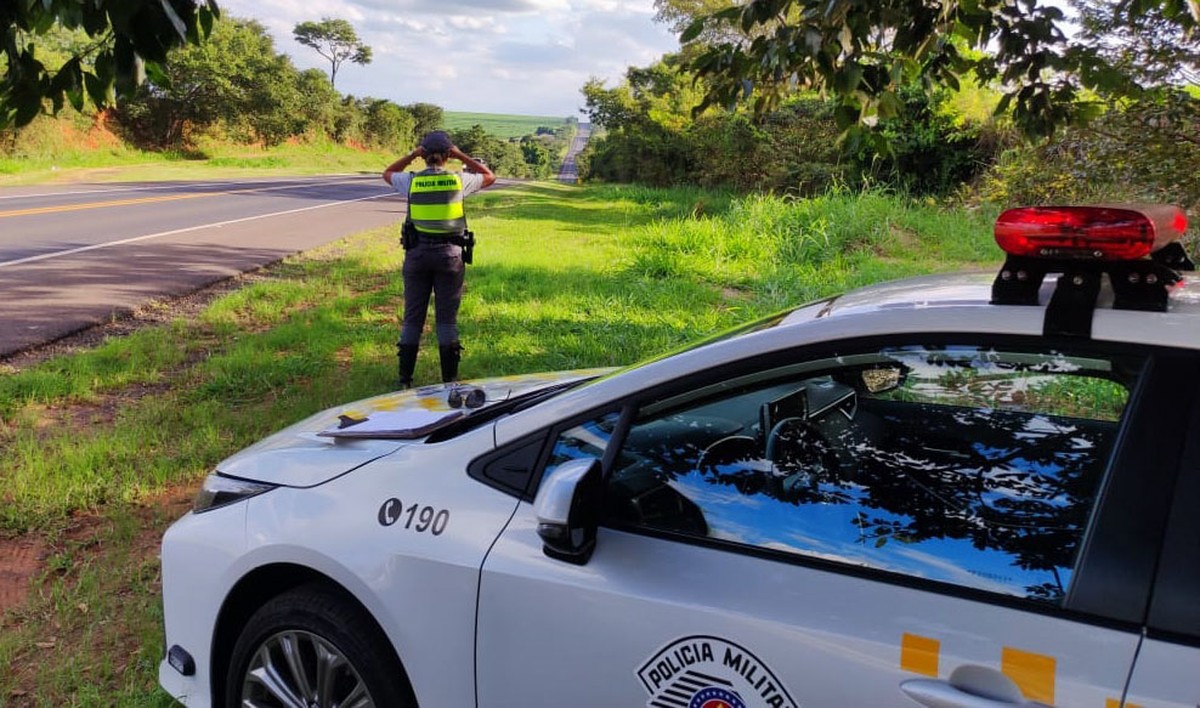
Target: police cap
pixel 437 141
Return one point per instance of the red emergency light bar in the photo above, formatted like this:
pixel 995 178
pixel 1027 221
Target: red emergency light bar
pixel 1105 233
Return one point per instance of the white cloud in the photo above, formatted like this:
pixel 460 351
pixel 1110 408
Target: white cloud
pixel 527 57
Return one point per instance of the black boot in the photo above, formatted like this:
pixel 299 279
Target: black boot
pixel 450 355
pixel 407 354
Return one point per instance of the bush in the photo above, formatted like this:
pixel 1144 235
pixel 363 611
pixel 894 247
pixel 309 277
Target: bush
pixel 648 154
pixel 928 152
pixel 792 150
pixel 1145 151
pixel 802 155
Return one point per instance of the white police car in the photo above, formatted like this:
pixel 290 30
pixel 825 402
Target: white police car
pixel 965 490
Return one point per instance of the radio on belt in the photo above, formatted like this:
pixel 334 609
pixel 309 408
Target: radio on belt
pixel 1136 246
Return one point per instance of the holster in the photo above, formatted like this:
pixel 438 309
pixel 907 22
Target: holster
pixel 468 246
pixel 408 235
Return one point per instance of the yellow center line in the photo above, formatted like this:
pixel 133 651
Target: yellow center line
pixel 101 205
pixel 140 200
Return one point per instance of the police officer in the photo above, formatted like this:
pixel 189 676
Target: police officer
pixel 434 235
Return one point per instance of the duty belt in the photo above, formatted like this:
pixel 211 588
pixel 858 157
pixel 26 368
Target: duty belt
pixel 410 237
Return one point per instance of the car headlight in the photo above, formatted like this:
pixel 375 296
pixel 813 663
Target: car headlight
pixel 219 490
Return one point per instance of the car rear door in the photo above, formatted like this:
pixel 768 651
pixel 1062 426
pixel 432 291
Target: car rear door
pixel 980 523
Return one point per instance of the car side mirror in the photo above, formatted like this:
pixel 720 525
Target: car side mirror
pixel 568 510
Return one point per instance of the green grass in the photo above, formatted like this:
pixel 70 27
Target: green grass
pixel 565 277
pixel 499 124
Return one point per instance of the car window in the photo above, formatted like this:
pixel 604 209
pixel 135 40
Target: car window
pixel 971 466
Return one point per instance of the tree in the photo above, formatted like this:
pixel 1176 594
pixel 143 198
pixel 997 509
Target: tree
pixel 427 115
pixel 131 40
pixel 236 77
pixel 643 142
pixel 1150 132
pixel 388 125
pixel 862 53
pixel 320 103
pixel 678 14
pixel 474 141
pixel 1145 144
pixel 335 40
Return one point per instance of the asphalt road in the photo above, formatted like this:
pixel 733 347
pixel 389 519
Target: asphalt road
pixel 72 257
pixel 568 173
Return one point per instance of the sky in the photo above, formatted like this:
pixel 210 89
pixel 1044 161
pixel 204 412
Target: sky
pixel 524 57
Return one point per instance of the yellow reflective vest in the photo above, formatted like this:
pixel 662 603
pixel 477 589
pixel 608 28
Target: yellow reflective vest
pixel 435 203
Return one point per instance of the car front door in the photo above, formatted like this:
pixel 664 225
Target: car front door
pixel 878 523
pixel 1165 674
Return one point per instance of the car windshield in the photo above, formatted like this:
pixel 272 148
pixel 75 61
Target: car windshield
pixel 759 325
pixel 490 412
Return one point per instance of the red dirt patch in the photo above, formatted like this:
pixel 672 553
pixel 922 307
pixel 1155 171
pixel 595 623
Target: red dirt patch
pixel 24 557
pixel 101 135
pixel 20 559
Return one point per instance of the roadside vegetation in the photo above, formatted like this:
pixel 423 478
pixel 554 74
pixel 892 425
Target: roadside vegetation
pixel 80 147
pixel 101 448
pixel 1123 123
pixel 234 102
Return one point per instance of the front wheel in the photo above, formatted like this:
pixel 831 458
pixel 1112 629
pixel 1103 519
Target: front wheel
pixel 310 648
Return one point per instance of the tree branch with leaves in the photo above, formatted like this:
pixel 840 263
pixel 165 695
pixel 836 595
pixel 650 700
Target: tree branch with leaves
pixel 133 38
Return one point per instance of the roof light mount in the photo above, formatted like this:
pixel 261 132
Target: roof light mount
pixel 1084 244
pixel 1174 257
pixel 1137 285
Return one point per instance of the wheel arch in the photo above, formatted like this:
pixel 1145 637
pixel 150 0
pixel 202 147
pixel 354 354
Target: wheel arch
pixel 257 588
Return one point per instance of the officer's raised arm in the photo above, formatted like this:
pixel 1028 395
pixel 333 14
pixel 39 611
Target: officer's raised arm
pixel 403 162
pixel 475 165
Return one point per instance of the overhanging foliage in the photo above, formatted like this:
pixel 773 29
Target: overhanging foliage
pixel 862 53
pixel 132 39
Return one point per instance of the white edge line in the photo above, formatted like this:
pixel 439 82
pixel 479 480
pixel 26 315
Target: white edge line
pixel 93 247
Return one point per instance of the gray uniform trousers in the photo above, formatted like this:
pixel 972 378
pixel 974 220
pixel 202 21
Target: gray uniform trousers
pixel 437 268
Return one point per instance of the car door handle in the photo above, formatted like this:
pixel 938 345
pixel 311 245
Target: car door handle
pixel 968 687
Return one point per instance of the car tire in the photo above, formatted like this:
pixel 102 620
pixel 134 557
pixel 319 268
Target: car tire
pixel 311 647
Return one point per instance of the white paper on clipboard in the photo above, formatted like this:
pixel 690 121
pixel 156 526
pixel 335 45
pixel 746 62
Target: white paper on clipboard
pixel 394 424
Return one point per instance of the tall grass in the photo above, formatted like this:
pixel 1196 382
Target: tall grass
pixel 778 251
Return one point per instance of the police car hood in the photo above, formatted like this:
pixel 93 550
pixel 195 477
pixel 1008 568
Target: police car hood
pixel 311 452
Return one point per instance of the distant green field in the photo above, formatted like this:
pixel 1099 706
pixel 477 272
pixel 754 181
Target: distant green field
pixel 499 124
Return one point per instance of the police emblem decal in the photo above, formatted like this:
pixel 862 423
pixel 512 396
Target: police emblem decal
pixel 713 697
pixel 710 672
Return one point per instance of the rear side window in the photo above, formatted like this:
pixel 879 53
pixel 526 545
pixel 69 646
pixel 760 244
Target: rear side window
pixel 964 465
